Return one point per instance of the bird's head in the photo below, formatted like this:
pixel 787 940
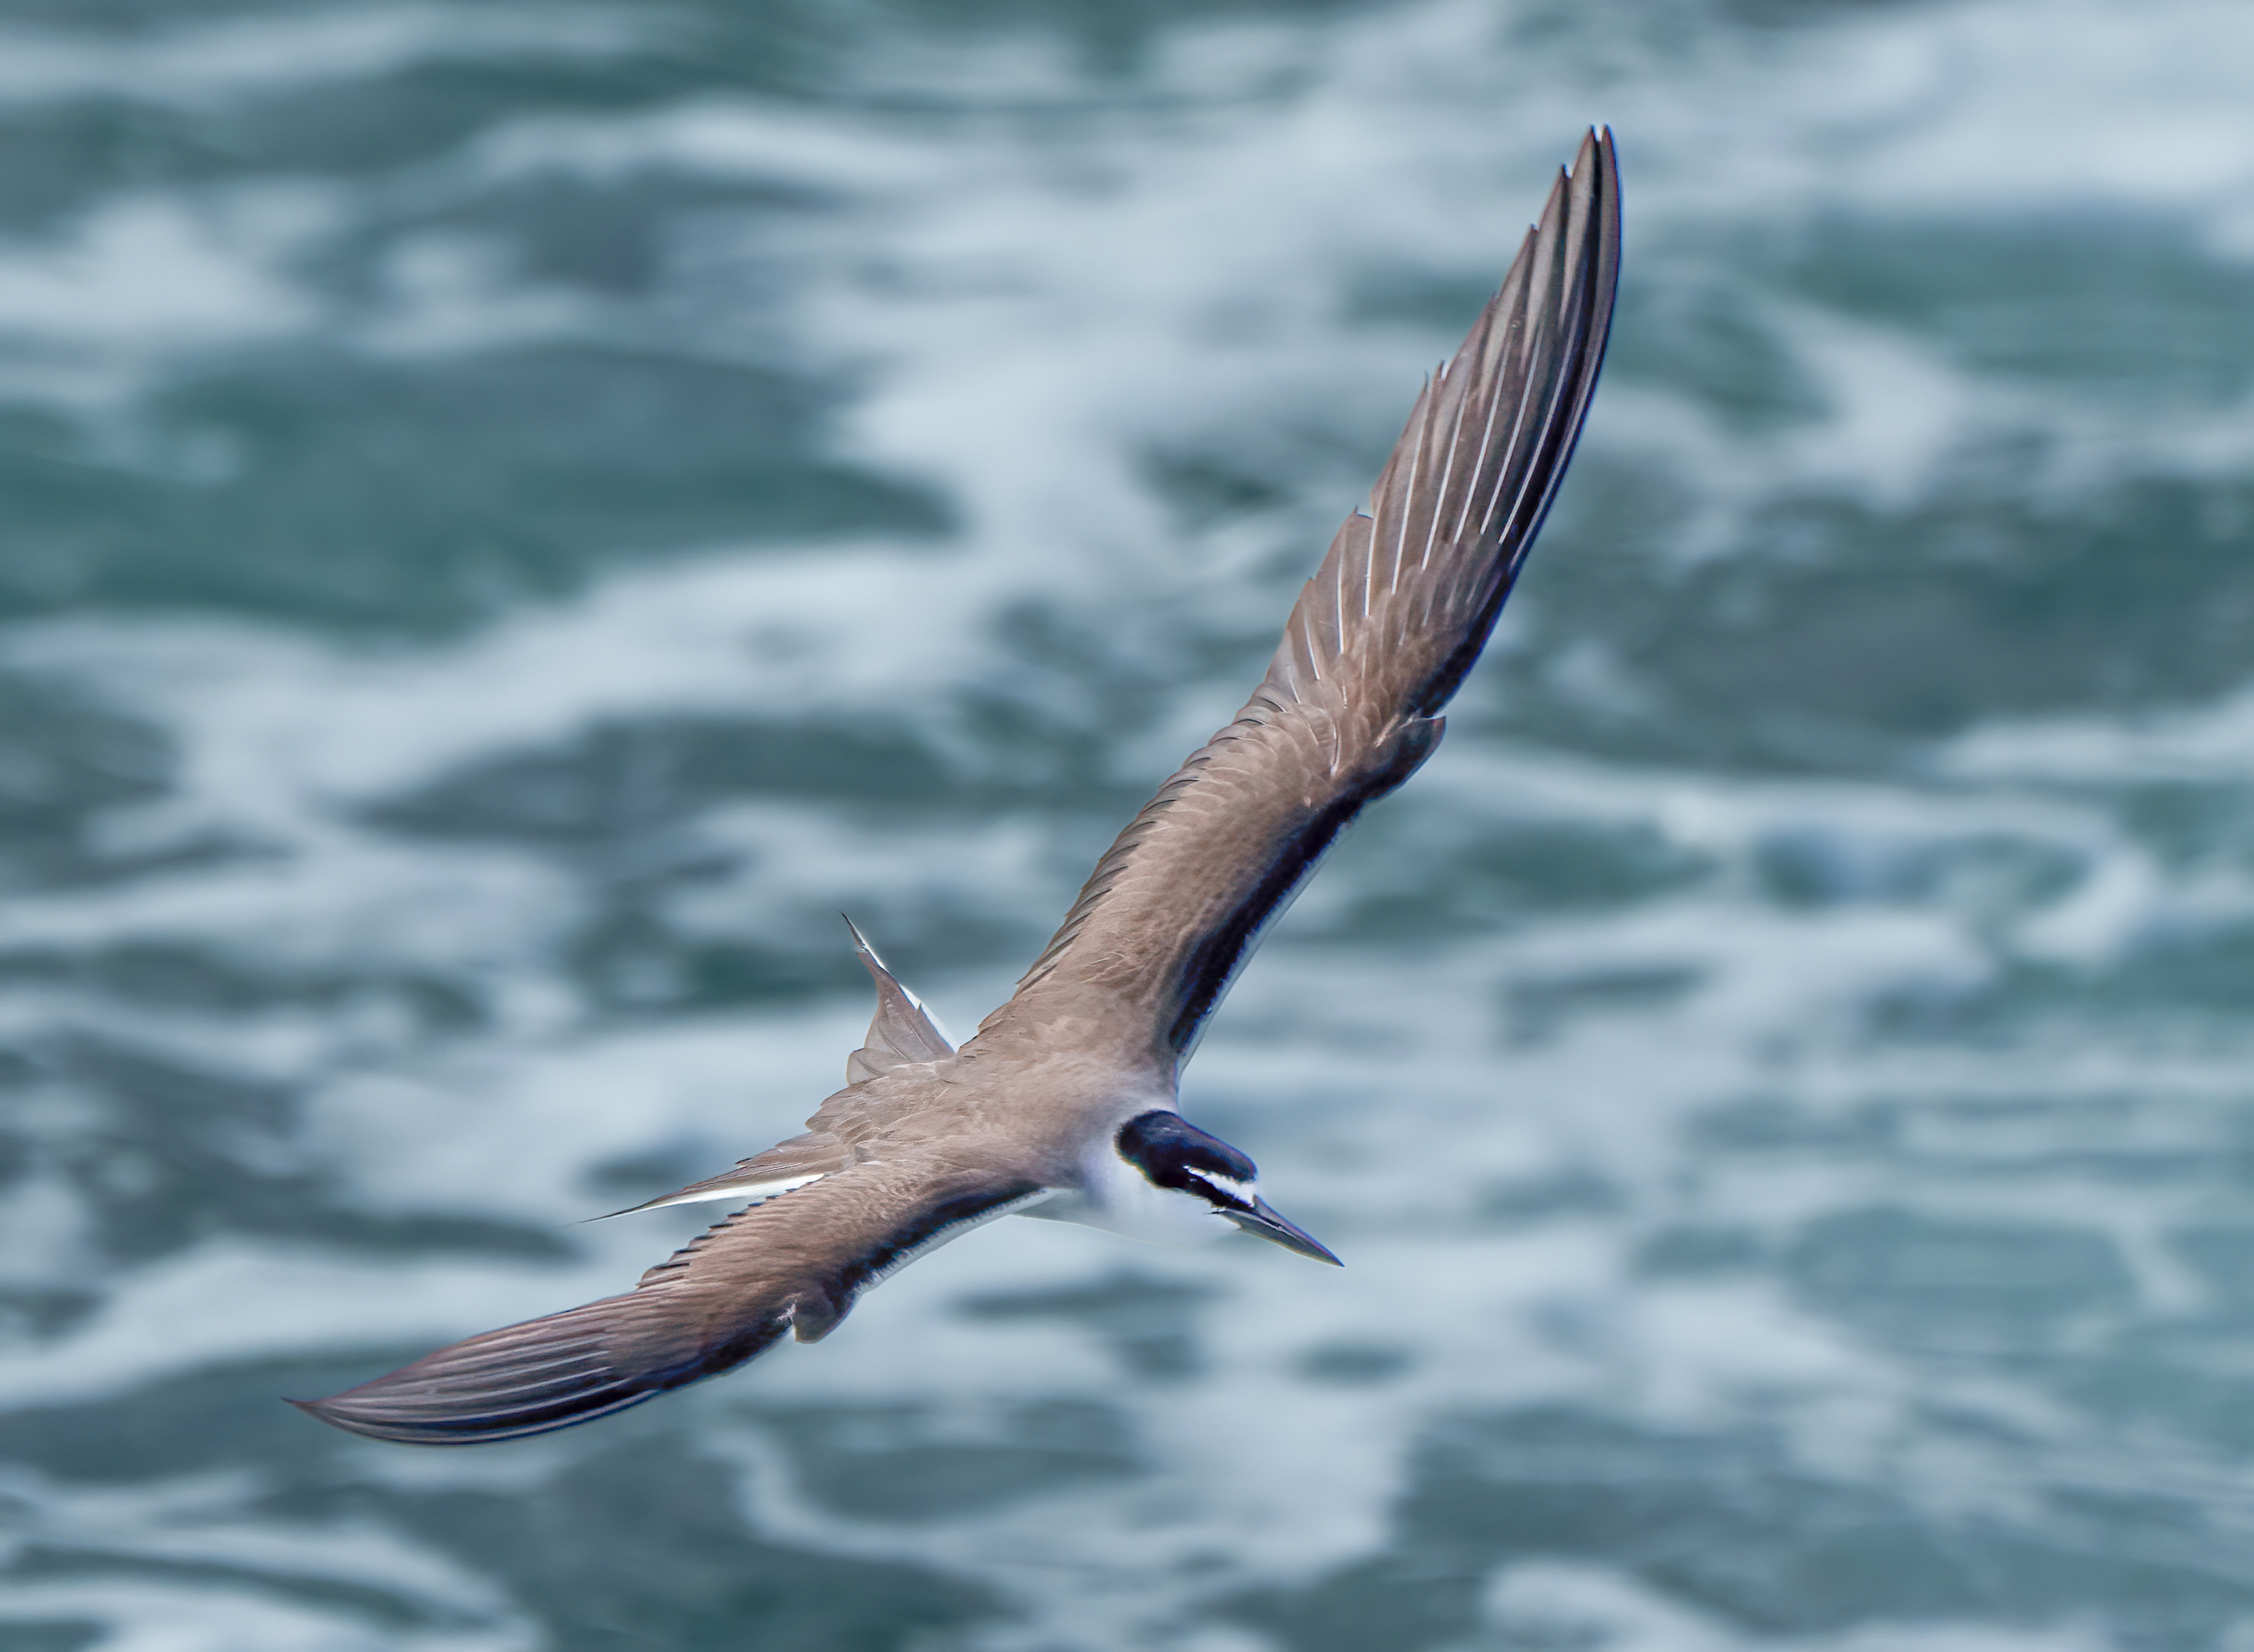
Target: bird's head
pixel 1176 1156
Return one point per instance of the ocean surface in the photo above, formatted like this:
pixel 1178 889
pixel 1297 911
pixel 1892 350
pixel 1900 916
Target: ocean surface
pixel 513 516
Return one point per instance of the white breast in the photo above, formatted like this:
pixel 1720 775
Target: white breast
pixel 1116 1197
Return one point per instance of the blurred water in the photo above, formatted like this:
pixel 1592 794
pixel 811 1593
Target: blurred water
pixel 514 515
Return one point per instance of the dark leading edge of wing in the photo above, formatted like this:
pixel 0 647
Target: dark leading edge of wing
pixel 1379 641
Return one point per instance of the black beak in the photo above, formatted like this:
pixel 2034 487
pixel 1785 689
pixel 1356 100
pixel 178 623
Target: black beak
pixel 1263 1220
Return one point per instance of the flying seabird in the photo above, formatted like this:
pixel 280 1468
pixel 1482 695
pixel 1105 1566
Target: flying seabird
pixel 1063 1103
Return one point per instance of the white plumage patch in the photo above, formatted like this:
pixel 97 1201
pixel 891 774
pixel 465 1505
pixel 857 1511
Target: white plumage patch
pixel 752 1193
pixel 1119 1198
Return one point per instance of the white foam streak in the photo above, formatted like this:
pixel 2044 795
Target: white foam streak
pixel 1550 1600
pixel 2205 744
pixel 233 1302
pixel 516 1127
pixel 97 285
pixel 280 733
pixel 276 53
pixel 194 1525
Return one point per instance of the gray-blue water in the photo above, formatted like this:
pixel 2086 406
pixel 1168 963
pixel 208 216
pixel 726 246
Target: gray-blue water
pixel 512 516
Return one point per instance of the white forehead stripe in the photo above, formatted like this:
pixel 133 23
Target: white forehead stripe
pixel 1245 1191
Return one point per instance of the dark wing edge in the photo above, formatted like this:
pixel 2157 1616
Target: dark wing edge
pixel 1380 639
pixel 794 1264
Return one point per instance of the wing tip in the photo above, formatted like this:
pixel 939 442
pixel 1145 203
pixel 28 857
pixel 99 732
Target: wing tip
pixel 409 1413
pixel 522 1379
pixel 370 1422
pixel 345 1419
pixel 1543 337
pixel 339 1416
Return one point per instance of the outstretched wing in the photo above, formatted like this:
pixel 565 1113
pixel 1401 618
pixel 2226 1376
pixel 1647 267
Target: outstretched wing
pixel 1379 641
pixel 794 1264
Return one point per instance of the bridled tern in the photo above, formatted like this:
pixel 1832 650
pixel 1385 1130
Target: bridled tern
pixel 1063 1103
